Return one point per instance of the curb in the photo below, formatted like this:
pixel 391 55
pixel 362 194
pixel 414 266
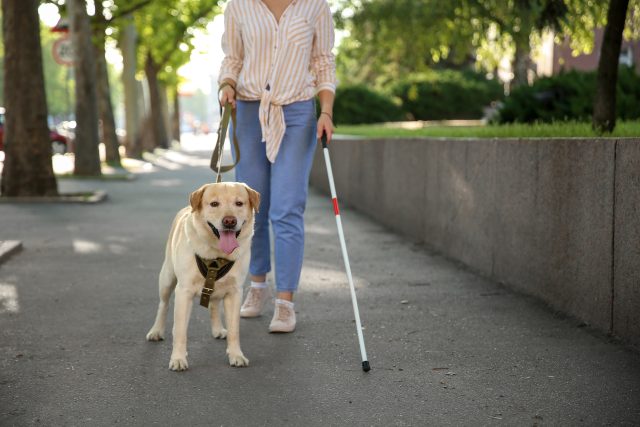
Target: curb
pixel 103 177
pixel 88 197
pixel 9 248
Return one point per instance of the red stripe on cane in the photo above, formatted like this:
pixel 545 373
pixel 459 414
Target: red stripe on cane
pixel 335 206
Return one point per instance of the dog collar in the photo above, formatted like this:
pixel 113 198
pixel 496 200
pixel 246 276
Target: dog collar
pixel 211 270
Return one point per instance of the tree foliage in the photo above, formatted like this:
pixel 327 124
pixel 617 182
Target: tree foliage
pixel 166 29
pixel 389 38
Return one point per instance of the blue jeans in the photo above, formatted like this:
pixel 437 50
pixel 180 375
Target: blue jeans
pixel 282 186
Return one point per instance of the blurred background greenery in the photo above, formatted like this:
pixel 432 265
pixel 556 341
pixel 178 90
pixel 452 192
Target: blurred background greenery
pixel 533 60
pixel 479 64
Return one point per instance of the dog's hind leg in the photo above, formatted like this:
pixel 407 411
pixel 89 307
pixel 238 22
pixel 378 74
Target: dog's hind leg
pixel 217 328
pixel 167 283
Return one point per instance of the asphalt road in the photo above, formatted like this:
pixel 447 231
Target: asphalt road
pixel 446 346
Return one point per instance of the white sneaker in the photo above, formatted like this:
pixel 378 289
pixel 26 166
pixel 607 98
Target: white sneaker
pixel 284 317
pixel 254 302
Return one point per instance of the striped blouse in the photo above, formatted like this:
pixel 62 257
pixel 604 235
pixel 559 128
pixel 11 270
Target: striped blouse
pixel 278 62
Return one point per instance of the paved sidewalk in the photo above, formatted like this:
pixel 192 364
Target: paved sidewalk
pixel 446 347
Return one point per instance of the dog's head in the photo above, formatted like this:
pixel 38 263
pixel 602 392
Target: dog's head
pixel 226 208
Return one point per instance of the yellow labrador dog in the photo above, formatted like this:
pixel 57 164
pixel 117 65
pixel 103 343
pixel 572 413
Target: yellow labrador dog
pixel 219 224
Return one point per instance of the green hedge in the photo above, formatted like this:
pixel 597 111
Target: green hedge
pixel 569 96
pixel 446 94
pixel 358 104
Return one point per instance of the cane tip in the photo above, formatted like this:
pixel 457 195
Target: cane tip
pixel 365 366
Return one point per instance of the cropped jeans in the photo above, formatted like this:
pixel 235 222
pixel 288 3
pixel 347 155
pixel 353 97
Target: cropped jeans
pixel 283 187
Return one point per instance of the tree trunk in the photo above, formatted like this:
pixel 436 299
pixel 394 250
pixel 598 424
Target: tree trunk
pixel 166 115
pixel 604 105
pixel 132 113
pixel 175 118
pixel 158 127
pixel 105 108
pixel 27 166
pixel 521 61
pixel 86 145
pixel 146 135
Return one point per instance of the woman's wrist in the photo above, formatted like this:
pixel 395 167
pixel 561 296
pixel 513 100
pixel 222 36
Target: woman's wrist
pixel 227 83
pixel 328 114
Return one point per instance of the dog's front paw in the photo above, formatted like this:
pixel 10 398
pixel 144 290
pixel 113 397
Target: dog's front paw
pixel 178 364
pixel 155 335
pixel 238 360
pixel 219 333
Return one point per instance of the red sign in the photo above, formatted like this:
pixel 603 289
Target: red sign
pixel 61 27
pixel 63 51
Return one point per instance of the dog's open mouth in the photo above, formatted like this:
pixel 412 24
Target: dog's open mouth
pixel 228 238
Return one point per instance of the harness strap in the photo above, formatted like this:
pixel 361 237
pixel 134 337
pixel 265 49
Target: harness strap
pixel 211 270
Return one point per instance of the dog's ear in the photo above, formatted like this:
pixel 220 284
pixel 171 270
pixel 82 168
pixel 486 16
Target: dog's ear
pixel 254 198
pixel 195 199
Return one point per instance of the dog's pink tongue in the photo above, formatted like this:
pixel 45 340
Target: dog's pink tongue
pixel 228 241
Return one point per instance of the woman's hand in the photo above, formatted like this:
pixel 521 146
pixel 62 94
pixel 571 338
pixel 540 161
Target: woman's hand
pixel 228 94
pixel 325 125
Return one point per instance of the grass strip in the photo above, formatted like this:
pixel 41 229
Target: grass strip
pixel 518 130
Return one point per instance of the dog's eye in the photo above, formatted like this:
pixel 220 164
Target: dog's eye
pixel 239 203
pixel 214 204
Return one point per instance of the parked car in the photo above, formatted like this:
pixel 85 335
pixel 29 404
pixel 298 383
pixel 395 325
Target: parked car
pixel 59 143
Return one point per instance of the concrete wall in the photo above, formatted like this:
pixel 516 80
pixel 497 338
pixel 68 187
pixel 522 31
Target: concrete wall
pixel 556 218
pixel 626 273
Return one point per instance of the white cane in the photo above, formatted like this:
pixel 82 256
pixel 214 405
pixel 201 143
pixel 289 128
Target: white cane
pixel 345 255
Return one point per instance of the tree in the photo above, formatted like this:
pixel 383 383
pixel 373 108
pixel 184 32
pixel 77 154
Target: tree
pixel 604 106
pixel 127 42
pixel 106 17
pixel 390 38
pixel 166 29
pixel 105 108
pixel 515 20
pixel 410 35
pixel 27 167
pixel 87 157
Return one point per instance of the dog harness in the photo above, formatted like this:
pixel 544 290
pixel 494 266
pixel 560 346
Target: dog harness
pixel 211 270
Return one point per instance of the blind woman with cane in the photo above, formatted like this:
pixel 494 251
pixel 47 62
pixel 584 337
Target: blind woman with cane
pixel 277 59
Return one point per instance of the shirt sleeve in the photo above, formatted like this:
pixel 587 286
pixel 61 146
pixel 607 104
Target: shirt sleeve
pixel 231 46
pixel 323 62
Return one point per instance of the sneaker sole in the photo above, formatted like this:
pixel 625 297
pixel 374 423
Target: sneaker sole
pixel 281 331
pixel 248 316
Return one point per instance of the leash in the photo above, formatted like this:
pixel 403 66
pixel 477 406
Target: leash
pixel 216 269
pixel 216 158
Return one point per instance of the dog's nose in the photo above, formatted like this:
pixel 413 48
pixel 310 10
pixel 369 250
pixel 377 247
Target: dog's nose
pixel 229 221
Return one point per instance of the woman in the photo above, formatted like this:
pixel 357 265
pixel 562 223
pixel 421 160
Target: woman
pixel 277 58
